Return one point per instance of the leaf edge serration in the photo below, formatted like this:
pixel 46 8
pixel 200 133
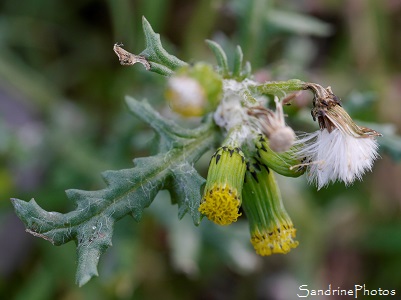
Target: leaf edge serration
pixel 91 223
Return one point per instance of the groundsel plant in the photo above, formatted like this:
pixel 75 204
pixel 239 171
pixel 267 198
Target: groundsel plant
pixel 244 122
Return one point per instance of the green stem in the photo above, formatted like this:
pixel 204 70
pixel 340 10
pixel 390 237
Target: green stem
pixel 278 88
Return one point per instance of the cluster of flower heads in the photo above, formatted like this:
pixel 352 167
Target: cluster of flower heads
pixel 258 142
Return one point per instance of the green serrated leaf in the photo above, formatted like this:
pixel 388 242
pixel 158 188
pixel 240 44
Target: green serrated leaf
pixel 170 133
pixel 128 191
pixel 160 60
pixel 184 188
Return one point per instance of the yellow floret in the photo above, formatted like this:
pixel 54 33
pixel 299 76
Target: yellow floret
pixel 279 240
pixel 220 205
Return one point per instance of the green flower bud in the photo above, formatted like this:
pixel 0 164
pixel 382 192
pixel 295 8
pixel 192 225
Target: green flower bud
pixel 194 90
pixel 284 163
pixel 271 228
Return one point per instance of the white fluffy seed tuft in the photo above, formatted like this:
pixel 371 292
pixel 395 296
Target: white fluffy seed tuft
pixel 332 156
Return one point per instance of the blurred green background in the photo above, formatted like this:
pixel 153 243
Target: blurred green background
pixel 63 121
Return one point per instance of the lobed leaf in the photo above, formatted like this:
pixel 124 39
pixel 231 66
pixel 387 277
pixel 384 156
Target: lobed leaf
pixel 128 191
pixel 160 60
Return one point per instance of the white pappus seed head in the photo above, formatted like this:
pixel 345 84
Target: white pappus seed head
pixel 340 150
pixel 336 155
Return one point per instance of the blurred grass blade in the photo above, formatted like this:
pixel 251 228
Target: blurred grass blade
pixel 298 23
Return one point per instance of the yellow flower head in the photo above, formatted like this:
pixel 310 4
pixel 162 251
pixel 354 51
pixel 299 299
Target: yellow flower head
pixel 279 240
pixel 222 197
pixel 271 228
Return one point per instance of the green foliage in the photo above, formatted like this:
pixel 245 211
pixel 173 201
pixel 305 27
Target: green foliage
pixel 160 60
pixel 239 72
pixel 128 191
pixel 220 56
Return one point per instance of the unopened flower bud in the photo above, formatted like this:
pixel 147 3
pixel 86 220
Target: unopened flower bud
pixel 194 90
pixel 186 96
pixel 271 228
pixel 285 163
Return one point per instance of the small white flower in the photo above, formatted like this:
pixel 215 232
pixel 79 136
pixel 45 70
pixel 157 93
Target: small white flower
pixel 336 155
pixel 340 150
